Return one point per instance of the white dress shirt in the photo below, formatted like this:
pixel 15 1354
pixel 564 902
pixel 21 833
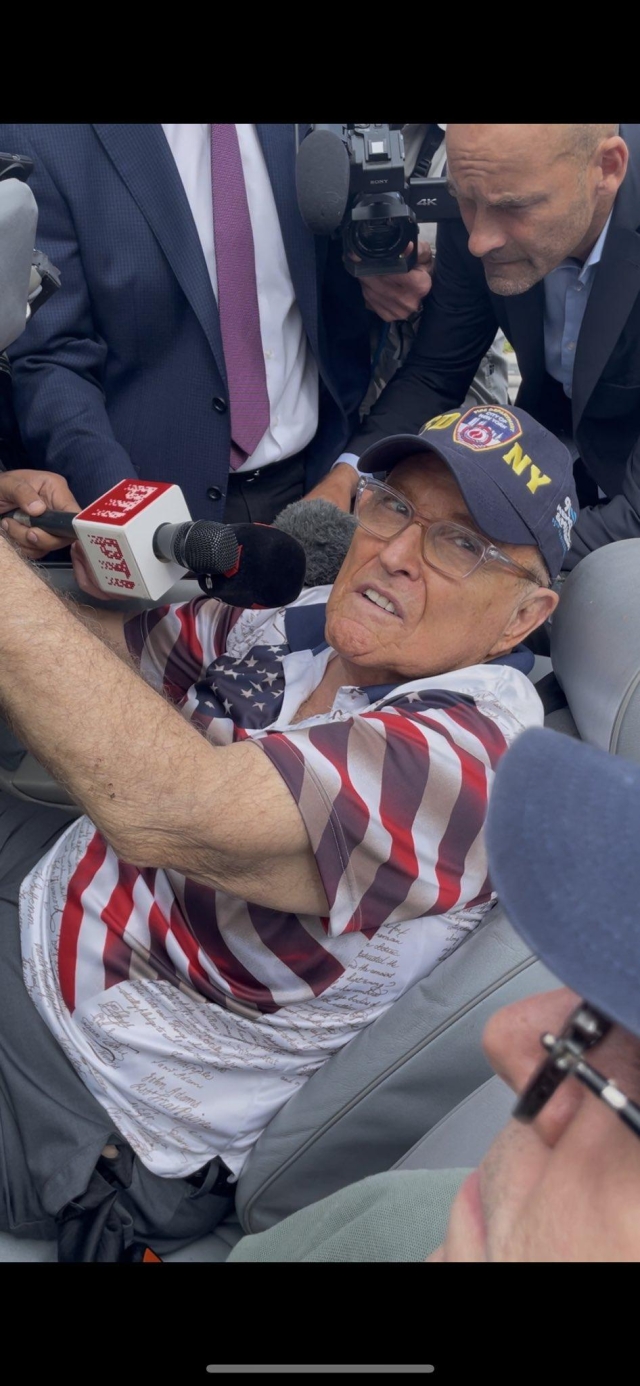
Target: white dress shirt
pixel 292 373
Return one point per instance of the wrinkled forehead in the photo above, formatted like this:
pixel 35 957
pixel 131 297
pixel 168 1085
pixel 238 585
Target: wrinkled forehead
pixel 502 151
pixel 427 481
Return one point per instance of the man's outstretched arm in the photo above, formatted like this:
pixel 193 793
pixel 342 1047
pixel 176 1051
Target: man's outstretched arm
pixel 159 792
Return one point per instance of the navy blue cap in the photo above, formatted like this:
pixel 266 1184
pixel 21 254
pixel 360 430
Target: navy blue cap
pixel 562 840
pixel 516 477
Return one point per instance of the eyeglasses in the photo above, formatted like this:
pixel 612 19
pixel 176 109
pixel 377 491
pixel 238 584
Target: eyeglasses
pixel 449 548
pixel 584 1028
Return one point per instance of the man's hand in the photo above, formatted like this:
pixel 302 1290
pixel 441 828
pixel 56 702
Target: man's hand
pixel 34 492
pixel 338 486
pixel 83 575
pixel 395 297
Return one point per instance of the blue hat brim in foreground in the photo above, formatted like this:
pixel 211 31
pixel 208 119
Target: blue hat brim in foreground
pixel 489 507
pixel 562 838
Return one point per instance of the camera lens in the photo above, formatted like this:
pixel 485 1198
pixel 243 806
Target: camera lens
pixel 380 228
pixel 383 237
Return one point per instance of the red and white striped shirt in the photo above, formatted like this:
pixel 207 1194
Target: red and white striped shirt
pixel 191 1014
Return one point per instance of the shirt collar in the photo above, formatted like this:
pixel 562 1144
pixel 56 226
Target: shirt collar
pixel 596 254
pixel 521 658
pixel 587 269
pixel 304 627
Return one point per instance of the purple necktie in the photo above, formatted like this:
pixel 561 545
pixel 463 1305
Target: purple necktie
pixel 238 297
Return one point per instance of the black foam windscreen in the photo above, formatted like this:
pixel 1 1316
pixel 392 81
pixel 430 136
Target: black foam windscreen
pixel 270 572
pixel 322 181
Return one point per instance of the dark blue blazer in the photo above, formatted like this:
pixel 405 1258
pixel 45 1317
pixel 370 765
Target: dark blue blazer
pixel 123 372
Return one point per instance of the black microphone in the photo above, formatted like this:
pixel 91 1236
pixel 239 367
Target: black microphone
pixel 270 569
pixel 322 181
pixel 203 546
pixel 56 522
pixel 244 565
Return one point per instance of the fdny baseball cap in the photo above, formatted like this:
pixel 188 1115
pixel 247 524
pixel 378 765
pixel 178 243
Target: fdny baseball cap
pixel 562 844
pixel 515 476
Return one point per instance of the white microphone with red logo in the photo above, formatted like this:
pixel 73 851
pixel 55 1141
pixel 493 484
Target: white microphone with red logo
pixel 117 533
pixel 139 539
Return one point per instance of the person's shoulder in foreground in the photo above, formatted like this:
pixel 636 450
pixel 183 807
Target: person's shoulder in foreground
pixel 561 1182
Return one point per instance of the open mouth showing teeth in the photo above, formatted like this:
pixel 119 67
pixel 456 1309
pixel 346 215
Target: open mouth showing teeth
pixel 378 600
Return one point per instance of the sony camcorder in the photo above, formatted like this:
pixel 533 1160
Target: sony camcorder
pixel 351 182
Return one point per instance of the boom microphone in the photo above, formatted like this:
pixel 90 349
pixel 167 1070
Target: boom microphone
pixel 322 181
pixel 325 533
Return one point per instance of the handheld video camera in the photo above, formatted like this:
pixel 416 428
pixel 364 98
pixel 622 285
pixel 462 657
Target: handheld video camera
pixel 350 181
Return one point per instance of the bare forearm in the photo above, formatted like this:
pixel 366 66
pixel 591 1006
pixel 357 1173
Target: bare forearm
pixel 157 790
pixel 108 625
pixel 87 716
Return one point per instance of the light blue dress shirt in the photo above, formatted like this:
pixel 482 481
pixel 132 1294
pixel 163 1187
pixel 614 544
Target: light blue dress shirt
pixel 566 294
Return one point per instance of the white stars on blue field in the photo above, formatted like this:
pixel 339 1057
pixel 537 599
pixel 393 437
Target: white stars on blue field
pixel 241 687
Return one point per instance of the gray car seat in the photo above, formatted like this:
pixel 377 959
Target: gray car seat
pixel 417 1078
pixel 463 1136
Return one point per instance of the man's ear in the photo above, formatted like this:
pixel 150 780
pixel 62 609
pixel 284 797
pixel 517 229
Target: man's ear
pixel 533 609
pixel 613 158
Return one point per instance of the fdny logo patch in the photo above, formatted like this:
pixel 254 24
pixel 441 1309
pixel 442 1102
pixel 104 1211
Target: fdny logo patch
pixel 486 427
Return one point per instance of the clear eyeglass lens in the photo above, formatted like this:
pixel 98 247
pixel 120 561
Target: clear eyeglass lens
pixel 450 548
pixel 382 512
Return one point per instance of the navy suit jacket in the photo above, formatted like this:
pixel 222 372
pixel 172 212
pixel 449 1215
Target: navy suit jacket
pixel 459 323
pixel 122 373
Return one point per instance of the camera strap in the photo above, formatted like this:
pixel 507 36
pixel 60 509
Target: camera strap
pixel 431 142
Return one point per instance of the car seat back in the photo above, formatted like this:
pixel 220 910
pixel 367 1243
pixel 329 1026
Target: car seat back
pixel 377 1097
pixel 595 647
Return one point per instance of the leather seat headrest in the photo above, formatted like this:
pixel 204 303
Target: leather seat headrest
pixel 595 647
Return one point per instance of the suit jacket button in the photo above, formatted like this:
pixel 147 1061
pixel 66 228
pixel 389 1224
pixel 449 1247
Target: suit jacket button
pixel 214 493
pixel 220 405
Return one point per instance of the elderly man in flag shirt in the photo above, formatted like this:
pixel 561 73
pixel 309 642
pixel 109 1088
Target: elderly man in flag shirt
pixel 284 818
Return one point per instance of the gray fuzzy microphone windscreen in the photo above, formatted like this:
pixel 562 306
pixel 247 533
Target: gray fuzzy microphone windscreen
pixel 325 533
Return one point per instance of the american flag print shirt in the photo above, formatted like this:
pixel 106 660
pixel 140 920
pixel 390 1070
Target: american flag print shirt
pixel 191 1014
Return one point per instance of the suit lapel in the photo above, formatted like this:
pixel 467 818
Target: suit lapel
pixel 614 291
pixel 144 161
pixel 615 285
pixel 278 147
